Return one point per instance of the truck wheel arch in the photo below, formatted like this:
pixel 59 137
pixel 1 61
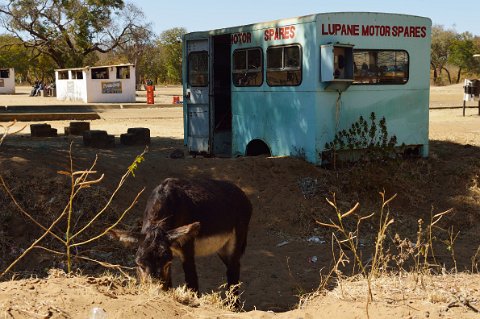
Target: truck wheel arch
pixel 257 147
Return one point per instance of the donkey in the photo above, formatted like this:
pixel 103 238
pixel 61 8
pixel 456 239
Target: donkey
pixel 188 218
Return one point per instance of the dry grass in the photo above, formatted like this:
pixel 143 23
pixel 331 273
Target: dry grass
pixel 450 289
pixel 383 277
pixel 116 285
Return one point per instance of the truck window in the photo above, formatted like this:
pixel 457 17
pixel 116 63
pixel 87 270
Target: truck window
pixel 284 65
pixel 378 67
pixel 247 67
pixel 198 68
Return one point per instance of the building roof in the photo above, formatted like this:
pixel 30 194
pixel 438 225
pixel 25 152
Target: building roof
pixel 95 67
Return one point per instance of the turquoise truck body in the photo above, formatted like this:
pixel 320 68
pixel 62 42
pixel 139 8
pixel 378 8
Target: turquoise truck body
pixel 226 118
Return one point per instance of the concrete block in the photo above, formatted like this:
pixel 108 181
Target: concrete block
pixel 98 139
pixel 42 130
pixel 136 136
pixel 77 128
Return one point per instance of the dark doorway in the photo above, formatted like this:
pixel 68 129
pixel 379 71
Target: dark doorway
pixel 222 93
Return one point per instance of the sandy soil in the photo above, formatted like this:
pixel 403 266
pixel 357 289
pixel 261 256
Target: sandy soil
pixel 279 265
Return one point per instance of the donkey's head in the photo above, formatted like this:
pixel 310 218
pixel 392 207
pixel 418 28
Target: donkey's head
pixel 155 249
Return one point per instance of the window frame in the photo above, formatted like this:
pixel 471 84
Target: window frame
pixel 61 75
pixel 3 72
pixel 355 50
pixel 119 72
pixel 247 70
pixel 76 73
pixel 207 82
pixel 283 68
pixel 95 70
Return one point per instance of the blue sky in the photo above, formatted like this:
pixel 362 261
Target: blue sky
pixel 213 14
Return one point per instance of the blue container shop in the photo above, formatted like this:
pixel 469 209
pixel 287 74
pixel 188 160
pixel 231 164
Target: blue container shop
pixel 286 87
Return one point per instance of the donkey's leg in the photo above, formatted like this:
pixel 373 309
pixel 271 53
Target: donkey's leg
pixel 188 263
pixel 233 268
pixel 232 262
pixel 231 254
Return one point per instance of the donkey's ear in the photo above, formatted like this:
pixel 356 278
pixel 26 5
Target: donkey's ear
pixel 127 238
pixel 180 235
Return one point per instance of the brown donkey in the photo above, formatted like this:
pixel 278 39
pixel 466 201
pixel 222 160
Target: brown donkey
pixel 188 218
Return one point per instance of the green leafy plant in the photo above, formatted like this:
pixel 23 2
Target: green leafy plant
pixel 366 135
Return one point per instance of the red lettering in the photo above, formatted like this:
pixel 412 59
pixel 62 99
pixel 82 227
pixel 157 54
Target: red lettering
pixel 423 32
pixel 281 33
pixel 365 30
pixel 337 27
pixel 356 30
pixel 351 29
pixel 400 30
pixel 382 31
pixel 411 31
pixel 244 37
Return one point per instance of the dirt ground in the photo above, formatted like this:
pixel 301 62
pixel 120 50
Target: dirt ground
pixel 288 253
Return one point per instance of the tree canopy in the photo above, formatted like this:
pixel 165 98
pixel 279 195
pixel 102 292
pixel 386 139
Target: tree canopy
pixel 451 49
pixel 71 32
pixel 48 34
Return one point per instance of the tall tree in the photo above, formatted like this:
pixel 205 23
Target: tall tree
pixel 29 64
pixel 134 47
pixel 137 42
pixel 70 31
pixel 441 40
pixel 171 42
pixel 13 54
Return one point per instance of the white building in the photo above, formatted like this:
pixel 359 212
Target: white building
pixel 7 81
pixel 99 84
